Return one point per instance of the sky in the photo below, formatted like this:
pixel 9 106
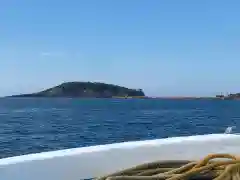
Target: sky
pixel 165 47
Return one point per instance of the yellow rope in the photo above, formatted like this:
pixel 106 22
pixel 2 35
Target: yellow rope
pixel 208 169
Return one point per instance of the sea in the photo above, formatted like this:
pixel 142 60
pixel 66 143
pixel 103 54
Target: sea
pixel 31 125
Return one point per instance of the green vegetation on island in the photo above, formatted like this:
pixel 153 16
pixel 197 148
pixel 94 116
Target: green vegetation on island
pixel 85 90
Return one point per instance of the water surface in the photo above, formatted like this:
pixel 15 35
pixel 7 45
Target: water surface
pixel 33 125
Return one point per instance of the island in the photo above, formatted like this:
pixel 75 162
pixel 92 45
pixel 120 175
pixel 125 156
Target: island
pixel 87 90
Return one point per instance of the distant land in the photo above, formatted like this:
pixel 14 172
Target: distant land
pixel 229 96
pixel 87 90
pixel 104 90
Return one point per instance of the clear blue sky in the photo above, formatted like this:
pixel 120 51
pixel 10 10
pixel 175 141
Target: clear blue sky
pixel 166 47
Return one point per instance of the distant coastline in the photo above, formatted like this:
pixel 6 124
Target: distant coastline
pixel 217 97
pixel 235 96
pixel 103 90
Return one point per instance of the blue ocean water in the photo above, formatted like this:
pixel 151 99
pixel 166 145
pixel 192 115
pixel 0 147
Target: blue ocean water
pixel 36 125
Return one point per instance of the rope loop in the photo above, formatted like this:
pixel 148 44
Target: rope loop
pixel 209 168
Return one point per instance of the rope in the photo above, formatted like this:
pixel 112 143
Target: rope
pixel 206 169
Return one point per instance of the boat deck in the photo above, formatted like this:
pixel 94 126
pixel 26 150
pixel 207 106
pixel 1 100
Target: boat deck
pixel 94 161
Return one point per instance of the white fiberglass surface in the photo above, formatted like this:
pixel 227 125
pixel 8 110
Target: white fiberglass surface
pixel 94 161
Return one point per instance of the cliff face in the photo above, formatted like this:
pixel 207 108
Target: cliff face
pixel 86 89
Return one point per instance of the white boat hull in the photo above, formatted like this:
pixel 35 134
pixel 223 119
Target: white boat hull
pixel 94 161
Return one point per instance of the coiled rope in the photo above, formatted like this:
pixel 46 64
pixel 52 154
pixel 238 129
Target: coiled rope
pixel 208 168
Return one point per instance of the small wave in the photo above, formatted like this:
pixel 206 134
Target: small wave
pixel 32 110
pixel 229 130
